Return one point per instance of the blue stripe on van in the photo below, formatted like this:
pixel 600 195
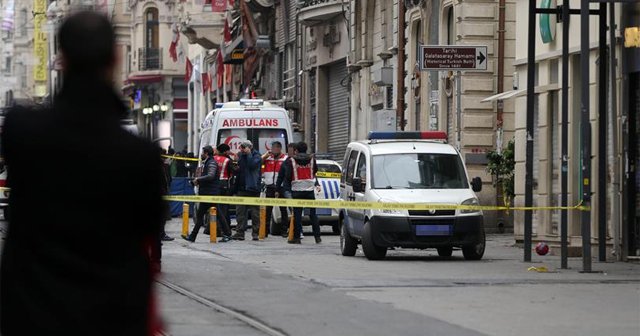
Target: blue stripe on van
pixel 330 188
pixel 337 186
pixel 324 188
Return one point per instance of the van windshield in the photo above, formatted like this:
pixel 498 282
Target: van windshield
pixel 261 138
pixel 418 171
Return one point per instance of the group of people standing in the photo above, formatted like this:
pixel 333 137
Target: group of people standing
pixel 285 175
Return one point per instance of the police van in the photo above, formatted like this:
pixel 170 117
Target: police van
pixel 248 119
pixel 409 167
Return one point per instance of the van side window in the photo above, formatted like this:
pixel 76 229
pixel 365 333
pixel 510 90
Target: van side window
pixel 344 166
pixel 361 171
pixel 351 166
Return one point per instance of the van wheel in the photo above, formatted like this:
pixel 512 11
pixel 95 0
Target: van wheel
pixel 445 251
pixel 475 251
pixel 348 245
pixel 371 251
pixel 335 227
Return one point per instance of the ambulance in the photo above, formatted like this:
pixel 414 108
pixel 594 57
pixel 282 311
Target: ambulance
pixel 248 119
pixel 409 167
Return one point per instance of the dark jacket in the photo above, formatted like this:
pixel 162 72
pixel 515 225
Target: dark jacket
pixel 282 184
pixel 209 182
pixel 287 169
pixel 75 260
pixel 249 172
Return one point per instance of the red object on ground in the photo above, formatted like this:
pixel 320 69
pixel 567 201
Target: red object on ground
pixel 542 248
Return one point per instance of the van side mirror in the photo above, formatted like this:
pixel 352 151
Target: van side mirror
pixel 476 184
pixel 357 184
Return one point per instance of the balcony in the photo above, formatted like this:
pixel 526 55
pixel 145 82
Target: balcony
pixel 318 11
pixel 149 59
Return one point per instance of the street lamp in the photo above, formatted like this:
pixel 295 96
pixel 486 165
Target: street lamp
pixel 156 108
pixel 147 110
pixel 164 108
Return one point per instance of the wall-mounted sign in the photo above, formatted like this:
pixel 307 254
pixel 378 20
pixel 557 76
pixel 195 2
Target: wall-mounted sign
pixel 548 21
pixel 453 57
pixel 40 46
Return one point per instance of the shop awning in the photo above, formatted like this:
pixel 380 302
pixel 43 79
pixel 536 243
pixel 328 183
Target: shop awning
pixel 144 79
pixel 505 95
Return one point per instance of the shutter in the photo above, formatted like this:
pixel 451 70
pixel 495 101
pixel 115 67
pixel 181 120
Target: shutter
pixel 451 134
pixel 280 27
pixel 536 164
pixel 292 19
pixel 556 159
pixel 338 110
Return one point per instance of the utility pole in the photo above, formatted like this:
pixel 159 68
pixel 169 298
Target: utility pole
pixel 400 85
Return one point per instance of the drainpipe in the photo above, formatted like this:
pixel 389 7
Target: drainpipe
pixel 500 89
pixel 400 84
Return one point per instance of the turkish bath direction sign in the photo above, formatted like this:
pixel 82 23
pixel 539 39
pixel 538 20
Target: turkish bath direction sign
pixel 455 58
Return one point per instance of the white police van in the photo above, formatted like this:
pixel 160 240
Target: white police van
pixel 409 167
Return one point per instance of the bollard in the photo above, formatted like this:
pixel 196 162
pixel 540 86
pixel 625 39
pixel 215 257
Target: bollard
pixel 291 224
pixel 262 232
pixel 185 219
pixel 213 225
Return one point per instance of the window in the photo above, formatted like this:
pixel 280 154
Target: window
pixel 351 165
pixel 420 171
pixel 7 64
pixel 361 171
pixel 261 138
pixel 152 28
pixel 347 154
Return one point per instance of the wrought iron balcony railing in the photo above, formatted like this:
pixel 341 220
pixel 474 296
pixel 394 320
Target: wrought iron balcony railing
pixel 149 59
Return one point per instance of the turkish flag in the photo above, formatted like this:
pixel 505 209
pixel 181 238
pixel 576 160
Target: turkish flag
pixel 227 32
pixel 188 71
pixel 220 70
pixel 206 82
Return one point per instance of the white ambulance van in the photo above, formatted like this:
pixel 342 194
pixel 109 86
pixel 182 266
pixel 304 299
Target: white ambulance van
pixel 409 167
pixel 248 119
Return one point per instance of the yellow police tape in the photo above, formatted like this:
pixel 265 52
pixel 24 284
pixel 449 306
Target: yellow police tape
pixel 180 158
pixel 339 204
pixel 328 175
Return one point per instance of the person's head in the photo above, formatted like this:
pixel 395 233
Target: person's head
pixel 276 147
pixel 223 149
pixel 246 146
pixel 291 148
pixel 87 45
pixel 172 151
pixel 207 152
pixel 301 147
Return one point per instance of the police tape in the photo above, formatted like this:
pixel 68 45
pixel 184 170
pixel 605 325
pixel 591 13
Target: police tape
pixel 180 158
pixel 356 205
pixel 328 175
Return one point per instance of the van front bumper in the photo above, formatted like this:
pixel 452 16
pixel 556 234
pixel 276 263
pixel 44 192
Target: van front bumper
pixel 390 231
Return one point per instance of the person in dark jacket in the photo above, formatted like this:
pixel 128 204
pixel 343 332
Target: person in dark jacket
pixel 300 174
pixel 283 188
pixel 85 269
pixel 208 185
pixel 248 185
pixel 227 169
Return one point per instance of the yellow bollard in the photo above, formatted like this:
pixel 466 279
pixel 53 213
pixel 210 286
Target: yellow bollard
pixel 291 224
pixel 213 225
pixel 185 219
pixel 262 232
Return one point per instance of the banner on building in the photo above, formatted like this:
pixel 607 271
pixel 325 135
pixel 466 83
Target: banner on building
pixel 40 47
pixel 218 6
pixel 7 17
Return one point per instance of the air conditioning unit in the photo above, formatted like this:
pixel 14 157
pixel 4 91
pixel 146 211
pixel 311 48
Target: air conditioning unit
pixel 383 76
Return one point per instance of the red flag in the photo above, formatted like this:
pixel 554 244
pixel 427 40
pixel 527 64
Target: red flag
pixel 206 82
pixel 188 71
pixel 227 32
pixel 174 43
pixel 220 70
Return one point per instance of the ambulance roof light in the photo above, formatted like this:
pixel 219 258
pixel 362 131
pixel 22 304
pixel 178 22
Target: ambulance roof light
pixel 251 102
pixel 429 135
pixel 219 105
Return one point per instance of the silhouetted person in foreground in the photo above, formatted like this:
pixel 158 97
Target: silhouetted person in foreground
pixel 76 258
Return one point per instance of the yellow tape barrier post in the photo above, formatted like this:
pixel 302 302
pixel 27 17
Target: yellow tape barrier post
pixel 185 219
pixel 262 232
pixel 213 225
pixel 291 225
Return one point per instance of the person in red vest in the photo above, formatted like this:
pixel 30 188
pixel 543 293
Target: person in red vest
pixel 273 161
pixel 226 166
pixel 300 173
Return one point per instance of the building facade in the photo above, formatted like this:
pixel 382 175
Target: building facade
pixel 621 208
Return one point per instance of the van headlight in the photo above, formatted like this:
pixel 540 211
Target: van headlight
pixel 473 202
